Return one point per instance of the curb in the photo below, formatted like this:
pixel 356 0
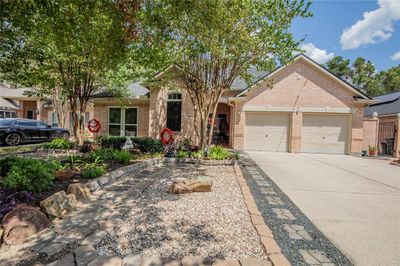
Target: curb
pixel 266 237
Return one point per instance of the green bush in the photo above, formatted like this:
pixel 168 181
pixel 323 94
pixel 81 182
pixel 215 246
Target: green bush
pixel 197 154
pixel 219 153
pixel 182 154
pixel 27 174
pixel 112 142
pixel 108 154
pixel 148 145
pixel 93 171
pixel 61 144
pixel 6 163
pixel 122 157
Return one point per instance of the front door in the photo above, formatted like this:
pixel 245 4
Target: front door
pixel 221 130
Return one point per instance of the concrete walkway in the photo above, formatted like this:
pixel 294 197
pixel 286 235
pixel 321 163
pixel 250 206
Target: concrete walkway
pixel 355 202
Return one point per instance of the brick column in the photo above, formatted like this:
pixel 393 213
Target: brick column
pixel 357 130
pixel 295 132
pixel 238 123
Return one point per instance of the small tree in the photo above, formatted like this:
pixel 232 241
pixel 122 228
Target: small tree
pixel 69 48
pixel 212 43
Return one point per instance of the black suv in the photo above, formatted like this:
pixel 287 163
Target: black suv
pixel 14 131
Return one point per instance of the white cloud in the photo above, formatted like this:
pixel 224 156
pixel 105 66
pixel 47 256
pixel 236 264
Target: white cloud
pixel 376 26
pixel 319 55
pixel 395 56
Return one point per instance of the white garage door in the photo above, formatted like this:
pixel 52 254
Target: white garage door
pixel 266 132
pixel 325 133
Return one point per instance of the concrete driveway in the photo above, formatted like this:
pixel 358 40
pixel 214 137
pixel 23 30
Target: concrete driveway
pixel 355 202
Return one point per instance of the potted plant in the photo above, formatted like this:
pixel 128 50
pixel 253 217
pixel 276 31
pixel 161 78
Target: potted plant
pixel 372 150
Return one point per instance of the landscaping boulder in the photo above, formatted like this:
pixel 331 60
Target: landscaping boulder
pixel 184 185
pixel 80 191
pixel 22 222
pixel 66 174
pixel 59 204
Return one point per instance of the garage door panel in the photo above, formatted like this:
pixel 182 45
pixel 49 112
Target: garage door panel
pixel 325 133
pixel 266 132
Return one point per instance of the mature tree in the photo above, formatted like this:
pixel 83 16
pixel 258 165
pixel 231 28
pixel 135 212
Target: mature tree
pixel 75 46
pixel 363 75
pixel 212 43
pixel 389 81
pixel 340 67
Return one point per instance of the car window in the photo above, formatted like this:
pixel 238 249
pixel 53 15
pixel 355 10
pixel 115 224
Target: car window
pixel 41 125
pixel 6 122
pixel 27 123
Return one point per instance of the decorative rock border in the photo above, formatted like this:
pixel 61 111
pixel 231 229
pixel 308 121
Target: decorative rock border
pixel 98 183
pixel 266 237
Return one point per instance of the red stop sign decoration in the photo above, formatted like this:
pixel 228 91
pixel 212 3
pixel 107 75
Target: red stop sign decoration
pixel 94 125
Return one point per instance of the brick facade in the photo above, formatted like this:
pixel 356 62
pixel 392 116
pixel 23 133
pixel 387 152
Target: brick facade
pixel 298 88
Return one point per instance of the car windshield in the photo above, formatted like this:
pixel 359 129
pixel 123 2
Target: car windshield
pixel 6 122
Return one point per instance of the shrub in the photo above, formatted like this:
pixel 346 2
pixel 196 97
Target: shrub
pixel 27 174
pixel 148 145
pixel 93 171
pixel 61 144
pixel 197 154
pixel 122 157
pixel 219 153
pixel 6 163
pixel 112 142
pixel 108 154
pixel 182 154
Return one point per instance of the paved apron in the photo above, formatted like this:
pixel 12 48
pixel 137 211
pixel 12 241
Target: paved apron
pixel 300 240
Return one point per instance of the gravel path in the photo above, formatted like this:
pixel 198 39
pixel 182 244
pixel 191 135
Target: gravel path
pixel 300 240
pixel 212 225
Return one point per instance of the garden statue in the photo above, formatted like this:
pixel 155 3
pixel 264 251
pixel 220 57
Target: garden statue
pixel 128 144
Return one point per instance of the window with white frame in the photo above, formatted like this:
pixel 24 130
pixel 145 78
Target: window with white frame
pixel 54 121
pixel 174 111
pixel 122 121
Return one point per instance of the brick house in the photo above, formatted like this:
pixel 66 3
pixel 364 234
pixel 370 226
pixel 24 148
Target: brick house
pixel 308 109
pixel 381 124
pixel 15 103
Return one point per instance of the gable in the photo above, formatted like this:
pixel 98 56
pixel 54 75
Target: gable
pixel 301 84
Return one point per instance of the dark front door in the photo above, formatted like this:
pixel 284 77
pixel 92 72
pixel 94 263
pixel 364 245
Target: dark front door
pixel 221 130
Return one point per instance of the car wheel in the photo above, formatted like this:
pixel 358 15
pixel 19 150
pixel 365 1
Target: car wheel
pixel 13 139
pixel 64 135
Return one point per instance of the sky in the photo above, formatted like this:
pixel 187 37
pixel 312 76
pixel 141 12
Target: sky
pixel 351 29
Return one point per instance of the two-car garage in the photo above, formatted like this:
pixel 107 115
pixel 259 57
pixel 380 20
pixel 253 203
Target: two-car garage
pixel 320 133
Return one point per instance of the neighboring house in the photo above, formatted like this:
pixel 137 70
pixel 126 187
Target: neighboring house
pixel 15 103
pixel 308 109
pixel 381 125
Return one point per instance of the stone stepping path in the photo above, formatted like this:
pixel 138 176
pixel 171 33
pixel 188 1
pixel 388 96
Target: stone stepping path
pixel 300 240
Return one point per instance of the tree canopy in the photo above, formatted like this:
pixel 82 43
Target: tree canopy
pixel 363 75
pixel 74 45
pixel 214 42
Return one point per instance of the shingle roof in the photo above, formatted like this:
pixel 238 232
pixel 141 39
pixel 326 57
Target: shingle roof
pixel 389 104
pixel 135 90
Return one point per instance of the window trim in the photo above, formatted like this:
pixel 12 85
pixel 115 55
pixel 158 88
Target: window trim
pixel 122 122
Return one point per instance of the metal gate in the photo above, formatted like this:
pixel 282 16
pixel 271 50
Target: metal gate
pixel 386 135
